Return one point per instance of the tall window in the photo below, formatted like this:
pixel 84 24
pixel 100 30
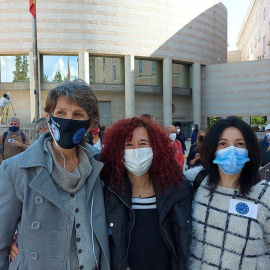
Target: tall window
pixel 59 68
pixel 14 68
pixel 140 67
pixel 106 70
pixel 104 64
pixel 145 72
pixel 180 75
pixel 154 67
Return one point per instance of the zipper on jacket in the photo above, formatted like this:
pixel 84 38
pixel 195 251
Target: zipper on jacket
pixel 169 242
pixel 132 213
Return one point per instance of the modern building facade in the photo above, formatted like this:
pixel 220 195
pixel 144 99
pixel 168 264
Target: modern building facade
pixel 166 58
pixel 139 56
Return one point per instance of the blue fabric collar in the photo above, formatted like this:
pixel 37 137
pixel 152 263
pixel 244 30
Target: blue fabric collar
pixel 267 141
pixel 10 133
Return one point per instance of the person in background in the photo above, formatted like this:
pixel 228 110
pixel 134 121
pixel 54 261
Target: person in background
pixel 146 116
pixel 194 134
pixel 95 137
pixel 42 126
pixel 3 102
pixel 13 141
pixel 148 201
pixel 180 136
pixel 265 146
pixel 102 131
pixel 194 156
pixel 177 147
pixel 51 194
pixel 231 209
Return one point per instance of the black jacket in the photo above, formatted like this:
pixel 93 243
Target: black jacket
pixel 174 211
pixel 265 156
pixel 191 155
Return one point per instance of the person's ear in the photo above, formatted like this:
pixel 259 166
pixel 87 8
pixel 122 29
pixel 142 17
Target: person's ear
pixel 92 123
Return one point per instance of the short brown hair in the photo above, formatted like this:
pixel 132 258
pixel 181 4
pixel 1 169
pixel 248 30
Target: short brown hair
pixel 79 92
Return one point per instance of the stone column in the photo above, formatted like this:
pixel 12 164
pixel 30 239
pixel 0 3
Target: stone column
pixel 129 86
pixel 84 66
pixel 167 92
pixel 196 94
pixel 247 119
pixel 32 87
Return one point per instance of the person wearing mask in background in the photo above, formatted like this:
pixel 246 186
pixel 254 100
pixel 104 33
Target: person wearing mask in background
pixel 265 147
pixel 148 201
pixel 95 137
pixel 231 209
pixel 180 136
pixel 194 156
pixel 177 147
pixel 194 134
pixel 52 194
pixel 13 141
pixel 42 126
pixel 3 102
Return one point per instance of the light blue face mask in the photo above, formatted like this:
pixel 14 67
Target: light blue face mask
pixel 231 160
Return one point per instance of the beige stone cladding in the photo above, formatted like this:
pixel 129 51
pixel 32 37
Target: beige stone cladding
pixel 234 56
pixel 241 89
pixel 181 30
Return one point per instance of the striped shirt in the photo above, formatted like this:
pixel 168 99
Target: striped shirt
pixel 144 203
pixel 147 249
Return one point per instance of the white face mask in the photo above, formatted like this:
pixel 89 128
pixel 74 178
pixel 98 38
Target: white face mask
pixel 138 161
pixel 178 130
pixel 173 136
pixel 267 135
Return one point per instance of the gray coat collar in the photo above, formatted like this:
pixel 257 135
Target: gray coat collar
pixel 34 156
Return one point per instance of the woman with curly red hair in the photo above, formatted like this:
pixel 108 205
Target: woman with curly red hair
pixel 148 203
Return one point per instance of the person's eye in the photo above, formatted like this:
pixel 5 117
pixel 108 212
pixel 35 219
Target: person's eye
pixel 222 144
pixel 241 144
pixel 59 112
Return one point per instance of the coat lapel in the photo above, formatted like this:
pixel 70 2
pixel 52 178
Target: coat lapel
pixel 43 184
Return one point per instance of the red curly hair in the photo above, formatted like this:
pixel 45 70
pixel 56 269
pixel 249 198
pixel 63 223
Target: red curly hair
pixel 164 170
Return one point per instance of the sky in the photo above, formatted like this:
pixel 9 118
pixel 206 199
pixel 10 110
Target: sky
pixel 236 10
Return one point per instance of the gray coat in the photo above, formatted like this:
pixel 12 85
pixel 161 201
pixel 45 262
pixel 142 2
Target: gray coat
pixel 30 204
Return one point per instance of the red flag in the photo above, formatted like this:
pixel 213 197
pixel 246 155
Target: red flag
pixel 32 7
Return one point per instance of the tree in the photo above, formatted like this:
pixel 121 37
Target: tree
pixel 57 77
pixel 21 69
pixel 45 78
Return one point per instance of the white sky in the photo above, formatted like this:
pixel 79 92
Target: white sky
pixel 236 10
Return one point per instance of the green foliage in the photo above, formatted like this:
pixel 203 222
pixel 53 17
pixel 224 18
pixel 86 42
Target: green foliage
pixel 258 120
pixel 212 120
pixel 45 78
pixel 21 72
pixel 57 77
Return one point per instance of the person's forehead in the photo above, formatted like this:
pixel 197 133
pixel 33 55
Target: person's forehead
pixel 13 122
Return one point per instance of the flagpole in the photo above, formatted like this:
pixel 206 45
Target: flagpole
pixel 35 66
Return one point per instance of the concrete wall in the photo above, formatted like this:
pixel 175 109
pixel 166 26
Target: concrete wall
pixel 182 30
pixel 234 56
pixel 241 89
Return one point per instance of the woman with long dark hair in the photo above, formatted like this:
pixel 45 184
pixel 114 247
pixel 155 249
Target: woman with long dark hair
pixel 148 205
pixel 231 208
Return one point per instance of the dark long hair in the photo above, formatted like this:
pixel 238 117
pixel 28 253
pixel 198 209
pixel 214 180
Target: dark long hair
pixel 249 175
pixel 164 170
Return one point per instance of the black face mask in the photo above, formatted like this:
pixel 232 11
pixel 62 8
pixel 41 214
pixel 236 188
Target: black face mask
pixel 13 129
pixel 67 132
pixel 201 138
